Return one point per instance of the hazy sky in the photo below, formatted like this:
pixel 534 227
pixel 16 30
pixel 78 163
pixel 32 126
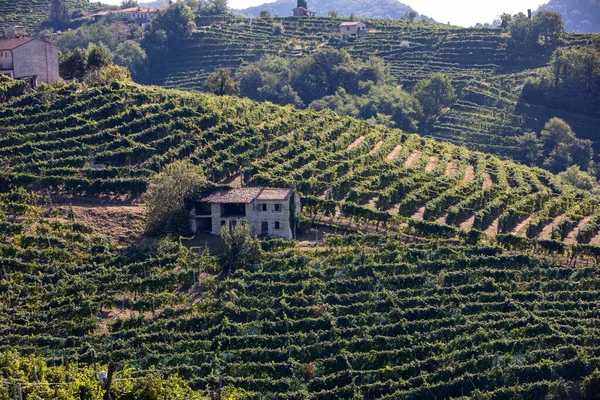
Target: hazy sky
pixel 457 12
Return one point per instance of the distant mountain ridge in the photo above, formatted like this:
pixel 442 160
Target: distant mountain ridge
pixel 579 15
pixel 386 9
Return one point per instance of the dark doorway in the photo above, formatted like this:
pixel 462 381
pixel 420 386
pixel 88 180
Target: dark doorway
pixel 264 228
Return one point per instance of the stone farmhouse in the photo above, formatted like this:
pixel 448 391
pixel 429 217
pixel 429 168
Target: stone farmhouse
pixel 141 16
pixel 353 29
pixel 269 212
pixel 31 59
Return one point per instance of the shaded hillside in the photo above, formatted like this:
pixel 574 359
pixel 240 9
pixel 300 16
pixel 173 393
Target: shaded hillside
pixel 579 15
pixel 488 115
pixel 31 13
pixel 51 140
pixel 387 9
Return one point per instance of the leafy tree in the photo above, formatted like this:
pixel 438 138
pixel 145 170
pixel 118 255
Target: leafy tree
pixel 522 35
pixel 574 176
pixel 302 3
pixel 549 25
pixel 173 25
pixel 264 14
pixel 333 14
pixel 555 132
pixel 73 65
pixel 241 249
pixel 434 94
pixel 212 7
pixel 107 74
pixel 164 199
pixel 98 57
pixel 131 55
pixel 531 146
pixel 221 83
pixel 505 20
pixel 129 3
pixel 278 29
pixel 410 16
pixel 59 13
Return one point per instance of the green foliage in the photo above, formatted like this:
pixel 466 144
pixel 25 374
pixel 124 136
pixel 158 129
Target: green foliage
pixel 164 199
pixel 590 386
pixel 264 14
pixel 212 7
pixel 131 55
pixel 169 29
pixel 97 57
pixel 221 83
pixel 434 94
pixel 540 32
pixel 576 177
pixel 241 249
pixel 10 88
pixel 59 14
pixel 107 75
pixel 73 65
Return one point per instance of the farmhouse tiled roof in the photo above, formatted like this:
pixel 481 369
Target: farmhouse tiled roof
pixel 242 195
pixel 125 10
pixel 274 194
pixel 245 195
pixel 11 44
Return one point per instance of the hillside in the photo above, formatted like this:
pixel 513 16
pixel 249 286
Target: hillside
pixel 489 114
pixel 32 13
pixel 51 140
pixel 579 15
pixel 387 9
pixel 419 306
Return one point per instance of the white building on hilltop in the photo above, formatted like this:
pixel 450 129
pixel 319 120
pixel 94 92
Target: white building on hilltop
pixel 269 212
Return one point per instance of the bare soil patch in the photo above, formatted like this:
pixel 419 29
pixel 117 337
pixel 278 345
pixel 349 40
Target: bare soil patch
pixel 395 153
pixel 546 233
pixel 469 174
pixel 487 180
pixel 355 143
pixel 234 180
pixel 492 230
pixel 121 223
pixel 433 161
pixel 451 169
pixel 377 147
pixel 412 159
pixel 467 224
pixel 521 228
pixel 419 214
pixel 572 236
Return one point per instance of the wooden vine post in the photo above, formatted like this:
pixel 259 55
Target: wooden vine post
pixel 112 367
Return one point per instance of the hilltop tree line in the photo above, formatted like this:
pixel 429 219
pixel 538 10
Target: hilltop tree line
pixel 331 79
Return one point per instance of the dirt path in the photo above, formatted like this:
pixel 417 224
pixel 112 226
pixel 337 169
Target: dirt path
pixel 376 148
pixel 122 223
pixel 451 169
pixel 395 153
pixel 442 219
pixel 492 230
pixel 521 228
pixel 419 214
pixel 355 143
pixel 572 236
pixel 372 202
pixel 487 180
pixel 469 174
pixel 433 161
pixel 467 225
pixel 546 233
pixel 595 240
pixel 412 159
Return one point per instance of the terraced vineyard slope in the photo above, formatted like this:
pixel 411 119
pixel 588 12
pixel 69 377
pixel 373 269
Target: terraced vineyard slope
pixel 488 115
pixel 31 13
pixel 109 140
pixel 386 321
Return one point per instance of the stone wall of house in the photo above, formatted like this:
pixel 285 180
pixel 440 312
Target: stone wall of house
pixel 36 58
pixel 271 216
